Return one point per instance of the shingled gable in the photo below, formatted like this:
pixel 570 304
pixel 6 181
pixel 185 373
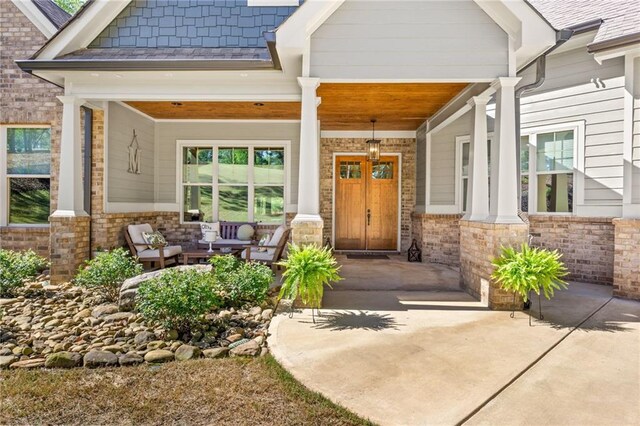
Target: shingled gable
pixel 52 12
pixel 159 34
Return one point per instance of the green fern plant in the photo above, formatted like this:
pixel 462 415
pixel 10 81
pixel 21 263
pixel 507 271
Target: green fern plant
pixel 530 269
pixel 307 270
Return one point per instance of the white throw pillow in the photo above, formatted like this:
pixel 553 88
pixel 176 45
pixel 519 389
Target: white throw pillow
pixel 245 232
pixel 214 226
pixel 277 236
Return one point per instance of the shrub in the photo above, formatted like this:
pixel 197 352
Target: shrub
pixel 238 282
pixel 308 269
pixel 107 271
pixel 530 269
pixel 17 267
pixel 177 299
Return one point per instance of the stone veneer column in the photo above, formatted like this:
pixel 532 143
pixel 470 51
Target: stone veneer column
pixel 480 243
pixel 69 224
pixel 307 225
pixel 626 264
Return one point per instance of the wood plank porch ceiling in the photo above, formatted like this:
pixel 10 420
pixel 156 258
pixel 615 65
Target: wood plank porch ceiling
pixel 345 106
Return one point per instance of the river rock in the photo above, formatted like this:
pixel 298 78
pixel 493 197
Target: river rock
pixel 63 359
pixel 251 348
pixel 267 314
pixel 186 352
pixel 7 360
pixel 118 316
pixel 29 363
pixel 215 352
pixel 130 358
pixel 144 337
pixel 158 356
pixel 103 310
pixel 97 358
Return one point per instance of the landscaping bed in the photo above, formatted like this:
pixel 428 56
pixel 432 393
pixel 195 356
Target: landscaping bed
pixel 68 326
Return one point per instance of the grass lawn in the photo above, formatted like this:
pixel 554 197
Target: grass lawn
pixel 227 391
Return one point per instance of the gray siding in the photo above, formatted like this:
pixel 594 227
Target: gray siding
pixel 124 186
pixel 636 134
pixel 195 23
pixel 443 161
pixel 569 95
pixel 421 167
pixel 409 39
pixel 170 132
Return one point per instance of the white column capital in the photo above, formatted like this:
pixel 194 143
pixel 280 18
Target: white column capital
pixel 73 100
pixel 480 100
pixel 308 82
pixel 501 82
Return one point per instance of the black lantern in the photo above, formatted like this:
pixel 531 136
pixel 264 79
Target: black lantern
pixel 373 144
pixel 414 253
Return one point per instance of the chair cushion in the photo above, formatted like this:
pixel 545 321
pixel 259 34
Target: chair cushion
pixel 168 252
pixel 258 255
pixel 275 240
pixel 135 232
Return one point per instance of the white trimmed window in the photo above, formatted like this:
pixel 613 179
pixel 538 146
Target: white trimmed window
pixel 548 161
pixel 233 182
pixel 464 144
pixel 25 175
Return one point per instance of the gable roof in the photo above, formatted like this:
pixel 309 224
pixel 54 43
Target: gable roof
pixel 620 18
pixel 54 13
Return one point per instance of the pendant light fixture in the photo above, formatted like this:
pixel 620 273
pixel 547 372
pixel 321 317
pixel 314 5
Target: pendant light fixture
pixel 373 144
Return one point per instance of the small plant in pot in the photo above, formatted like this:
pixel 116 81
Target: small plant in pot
pixel 530 270
pixel 307 270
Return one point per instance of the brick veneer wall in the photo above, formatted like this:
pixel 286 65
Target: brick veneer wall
pixel 586 244
pixel 25 238
pixel 69 246
pixel 25 99
pixel 438 236
pixel 626 272
pixel 479 243
pixel 406 147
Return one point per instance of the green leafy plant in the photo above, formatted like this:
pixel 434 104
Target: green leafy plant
pixel 17 267
pixel 107 271
pixel 238 282
pixel 308 270
pixel 530 269
pixel 177 299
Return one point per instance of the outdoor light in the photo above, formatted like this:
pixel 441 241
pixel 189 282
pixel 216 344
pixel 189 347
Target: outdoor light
pixel 414 253
pixel 373 144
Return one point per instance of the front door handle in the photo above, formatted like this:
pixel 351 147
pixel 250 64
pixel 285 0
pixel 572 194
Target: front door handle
pixel 368 217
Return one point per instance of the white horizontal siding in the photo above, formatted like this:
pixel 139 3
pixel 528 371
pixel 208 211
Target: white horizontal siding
pixel 121 185
pixel 409 39
pixel 569 94
pixel 635 154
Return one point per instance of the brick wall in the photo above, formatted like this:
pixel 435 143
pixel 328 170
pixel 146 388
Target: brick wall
pixel 586 244
pixel 25 99
pixel 626 272
pixel 438 236
pixel 479 244
pixel 406 147
pixel 69 246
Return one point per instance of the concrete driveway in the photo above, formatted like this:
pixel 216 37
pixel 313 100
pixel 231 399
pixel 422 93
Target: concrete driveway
pixel 439 357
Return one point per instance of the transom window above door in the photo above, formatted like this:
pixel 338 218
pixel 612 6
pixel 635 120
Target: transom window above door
pixel 236 183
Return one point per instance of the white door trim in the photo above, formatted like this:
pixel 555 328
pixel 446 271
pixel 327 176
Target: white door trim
pixel 333 194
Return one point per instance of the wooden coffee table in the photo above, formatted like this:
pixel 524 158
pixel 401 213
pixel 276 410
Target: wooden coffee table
pixel 197 254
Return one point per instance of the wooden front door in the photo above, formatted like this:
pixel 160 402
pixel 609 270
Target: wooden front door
pixel 366 203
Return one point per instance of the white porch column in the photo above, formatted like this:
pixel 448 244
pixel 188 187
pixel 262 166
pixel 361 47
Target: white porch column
pixel 70 189
pixel 309 178
pixel 478 189
pixel 504 180
pixel 307 226
pixel 631 145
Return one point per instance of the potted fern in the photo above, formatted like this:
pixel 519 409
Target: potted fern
pixel 530 270
pixel 307 270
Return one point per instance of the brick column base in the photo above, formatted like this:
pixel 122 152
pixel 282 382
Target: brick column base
pixel 626 261
pixel 479 243
pixel 307 229
pixel 69 246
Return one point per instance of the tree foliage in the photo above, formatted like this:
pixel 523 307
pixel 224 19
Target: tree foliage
pixel 17 267
pixel 70 6
pixel 107 271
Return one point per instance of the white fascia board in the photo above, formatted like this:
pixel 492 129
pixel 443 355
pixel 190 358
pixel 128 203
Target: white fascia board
pixel 84 29
pixel 630 50
pixel 33 14
pixel 529 33
pixel 272 3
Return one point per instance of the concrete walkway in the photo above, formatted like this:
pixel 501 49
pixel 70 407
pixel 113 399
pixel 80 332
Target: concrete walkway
pixel 439 357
